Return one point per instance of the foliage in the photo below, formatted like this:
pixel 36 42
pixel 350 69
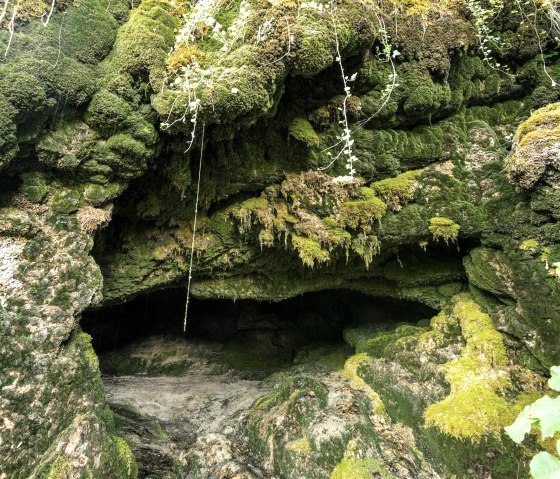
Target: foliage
pixel 543 414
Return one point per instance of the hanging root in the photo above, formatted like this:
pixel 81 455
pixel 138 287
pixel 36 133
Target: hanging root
pixel 193 233
pixel 11 28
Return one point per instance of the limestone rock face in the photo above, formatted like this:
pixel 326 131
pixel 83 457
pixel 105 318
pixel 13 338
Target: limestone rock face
pixel 53 407
pixel 317 146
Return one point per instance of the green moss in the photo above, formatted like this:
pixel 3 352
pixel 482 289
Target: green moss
pixel 23 90
pixel 107 111
pixel 535 147
pixel 350 371
pixel 97 195
pixel 424 94
pixel 34 186
pixel 531 245
pixel 310 252
pixel 303 131
pixel 361 469
pixel 143 42
pixel 85 340
pixel 444 228
pixel 253 210
pixel 300 446
pixel 63 148
pixel 375 345
pixel 8 139
pixel 366 246
pixel 60 469
pixel 398 191
pixel 126 459
pixel 476 406
pixel 361 213
pixel 66 201
pixel 470 414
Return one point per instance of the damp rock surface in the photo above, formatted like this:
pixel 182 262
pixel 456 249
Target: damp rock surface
pixel 189 424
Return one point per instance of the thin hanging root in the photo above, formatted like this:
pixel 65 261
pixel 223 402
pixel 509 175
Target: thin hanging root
pixel 4 10
pixel 11 27
pixel 46 21
pixel 193 232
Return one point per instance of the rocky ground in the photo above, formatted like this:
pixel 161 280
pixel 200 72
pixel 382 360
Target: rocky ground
pixel 167 419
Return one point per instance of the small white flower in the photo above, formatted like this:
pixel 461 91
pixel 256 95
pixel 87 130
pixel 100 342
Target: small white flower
pixel 234 91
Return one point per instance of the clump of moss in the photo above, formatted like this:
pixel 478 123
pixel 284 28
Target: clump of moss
pixel 361 213
pixel 531 245
pixel 126 458
pixel 376 345
pixel 366 246
pixel 360 469
pixel 301 446
pixel 398 191
pixel 479 378
pixel 350 370
pixel 253 210
pixel 184 55
pixel 310 252
pixel 444 228
pixel 303 131
pixel 316 215
pixel 535 147
pixel 60 469
pixel 85 341
pixel 34 186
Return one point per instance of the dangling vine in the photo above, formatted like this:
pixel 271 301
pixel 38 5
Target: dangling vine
pixel 194 232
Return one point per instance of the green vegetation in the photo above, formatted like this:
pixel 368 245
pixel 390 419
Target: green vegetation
pixel 397 192
pixel 445 229
pixel 310 252
pixel 535 147
pixel 60 469
pixel 318 215
pixel 543 414
pixel 303 131
pixel 476 405
pixel 360 469
pixel 101 112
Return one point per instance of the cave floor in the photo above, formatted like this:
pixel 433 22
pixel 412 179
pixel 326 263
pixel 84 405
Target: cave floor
pixel 174 398
pixel 184 402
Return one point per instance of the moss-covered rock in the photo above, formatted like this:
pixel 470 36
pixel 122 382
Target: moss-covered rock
pixel 103 100
pixel 536 148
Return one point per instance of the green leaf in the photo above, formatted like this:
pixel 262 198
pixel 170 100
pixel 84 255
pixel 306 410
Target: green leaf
pixel 521 426
pixel 554 381
pixel 545 466
pixel 547 411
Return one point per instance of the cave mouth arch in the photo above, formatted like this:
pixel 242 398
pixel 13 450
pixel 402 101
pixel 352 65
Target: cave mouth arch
pixel 170 391
pixel 274 332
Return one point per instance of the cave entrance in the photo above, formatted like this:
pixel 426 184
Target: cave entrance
pixel 143 335
pixel 172 392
